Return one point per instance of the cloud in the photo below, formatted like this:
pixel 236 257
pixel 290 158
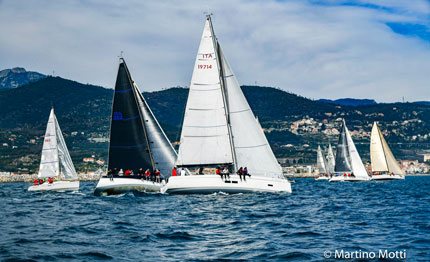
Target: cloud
pixel 319 49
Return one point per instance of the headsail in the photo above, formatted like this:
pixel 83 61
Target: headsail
pixel 330 160
pixel 49 166
pixel 343 159
pixel 357 165
pixel 66 165
pixel 321 163
pixel 128 147
pixel 163 153
pixel 380 154
pixel 250 144
pixel 205 138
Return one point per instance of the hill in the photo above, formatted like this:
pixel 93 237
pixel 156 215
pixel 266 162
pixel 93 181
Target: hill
pixel 349 102
pixel 294 125
pixel 18 76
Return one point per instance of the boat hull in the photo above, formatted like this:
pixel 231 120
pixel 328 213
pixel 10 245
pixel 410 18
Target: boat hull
pixel 120 185
pixel 321 178
pixel 59 186
pixel 209 183
pixel 387 177
pixel 349 179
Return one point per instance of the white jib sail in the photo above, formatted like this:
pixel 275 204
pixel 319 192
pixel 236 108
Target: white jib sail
pixel 357 165
pixel 66 165
pixel 330 160
pixel 205 139
pixel 322 169
pixel 49 166
pixel 251 147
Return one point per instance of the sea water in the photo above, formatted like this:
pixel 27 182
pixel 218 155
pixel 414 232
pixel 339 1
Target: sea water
pixel 314 223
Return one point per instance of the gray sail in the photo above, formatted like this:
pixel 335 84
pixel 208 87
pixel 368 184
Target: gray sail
pixel 343 159
pixel 67 169
pixel 163 154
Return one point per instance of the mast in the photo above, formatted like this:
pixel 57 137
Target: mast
pixel 223 90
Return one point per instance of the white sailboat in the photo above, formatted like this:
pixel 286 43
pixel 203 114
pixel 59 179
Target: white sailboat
pixel 330 160
pixel 322 166
pixel 384 165
pixel 219 129
pixel 137 142
pixel 55 161
pixel 348 164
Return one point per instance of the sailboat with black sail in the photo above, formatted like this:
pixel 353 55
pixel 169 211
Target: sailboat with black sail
pixel 348 164
pixel 384 165
pixel 55 164
pixel 137 143
pixel 220 131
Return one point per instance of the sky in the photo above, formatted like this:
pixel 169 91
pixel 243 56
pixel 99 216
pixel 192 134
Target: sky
pixel 376 49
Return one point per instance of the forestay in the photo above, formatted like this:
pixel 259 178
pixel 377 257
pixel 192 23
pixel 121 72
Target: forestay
pixel 49 166
pixel 205 138
pixel 252 150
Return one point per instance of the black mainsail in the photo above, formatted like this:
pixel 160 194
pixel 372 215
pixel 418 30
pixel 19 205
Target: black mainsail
pixel 343 158
pixel 128 147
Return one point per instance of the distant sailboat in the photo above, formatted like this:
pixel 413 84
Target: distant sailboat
pixel 384 165
pixel 330 160
pixel 348 164
pixel 137 142
pixel 55 161
pixel 219 129
pixel 322 166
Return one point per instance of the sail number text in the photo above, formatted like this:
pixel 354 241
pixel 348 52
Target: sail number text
pixel 204 66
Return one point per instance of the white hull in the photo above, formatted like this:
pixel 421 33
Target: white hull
pixel 59 186
pixel 208 184
pixel 348 179
pixel 320 178
pixel 119 185
pixel 386 177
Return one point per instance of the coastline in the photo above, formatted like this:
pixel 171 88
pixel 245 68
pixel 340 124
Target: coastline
pixel 29 178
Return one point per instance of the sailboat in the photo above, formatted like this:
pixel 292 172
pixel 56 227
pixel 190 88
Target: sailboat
pixel 220 130
pixel 348 164
pixel 322 166
pixel 55 161
pixel 137 142
pixel 330 160
pixel 384 165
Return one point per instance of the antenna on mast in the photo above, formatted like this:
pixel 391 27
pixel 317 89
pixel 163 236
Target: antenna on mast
pixel 121 56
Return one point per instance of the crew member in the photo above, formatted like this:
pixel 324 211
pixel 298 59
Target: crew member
pixel 147 174
pixel 175 172
pixel 50 180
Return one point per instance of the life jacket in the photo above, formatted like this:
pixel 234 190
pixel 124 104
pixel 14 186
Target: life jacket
pixel 127 172
pixel 36 182
pixel 50 181
pixel 174 172
pixel 218 171
pixel 147 173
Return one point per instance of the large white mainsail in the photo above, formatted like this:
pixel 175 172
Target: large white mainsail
pixel 49 166
pixel 382 158
pixel 321 163
pixel 357 165
pixel 330 160
pixel 205 138
pixel 251 148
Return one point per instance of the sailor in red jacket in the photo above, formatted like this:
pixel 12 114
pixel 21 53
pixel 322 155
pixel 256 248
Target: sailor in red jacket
pixel 50 180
